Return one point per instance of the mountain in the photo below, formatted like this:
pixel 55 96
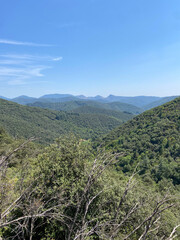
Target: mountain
pixel 143 102
pixel 159 102
pixel 46 98
pixel 96 98
pixel 95 110
pixel 56 96
pixel 138 101
pixel 152 140
pixel 124 107
pixel 57 100
pixel 73 105
pixel 46 125
pixel 1 97
pixel 70 189
pixel 24 100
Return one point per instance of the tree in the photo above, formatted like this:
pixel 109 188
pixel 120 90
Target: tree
pixel 71 191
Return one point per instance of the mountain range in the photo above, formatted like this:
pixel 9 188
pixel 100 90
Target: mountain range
pixel 84 106
pixel 143 102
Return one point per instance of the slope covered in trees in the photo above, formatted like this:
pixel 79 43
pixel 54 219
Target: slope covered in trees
pixel 68 191
pixel 142 102
pixel 151 139
pixel 76 106
pixel 106 112
pixel 159 102
pixel 24 121
pixel 126 189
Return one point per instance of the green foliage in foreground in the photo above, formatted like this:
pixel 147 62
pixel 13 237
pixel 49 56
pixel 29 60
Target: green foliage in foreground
pixel 72 191
pixel 24 121
pixel 151 139
pixel 68 191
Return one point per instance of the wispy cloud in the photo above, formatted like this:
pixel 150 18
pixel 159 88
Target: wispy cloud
pixel 16 82
pixel 57 59
pixel 29 58
pixel 30 44
pixel 22 72
pixel 18 69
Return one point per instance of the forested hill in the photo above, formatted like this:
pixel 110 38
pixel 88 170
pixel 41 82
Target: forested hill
pixel 151 139
pixel 95 110
pixel 24 121
pixel 75 105
pixel 140 102
pixel 159 102
pixel 68 190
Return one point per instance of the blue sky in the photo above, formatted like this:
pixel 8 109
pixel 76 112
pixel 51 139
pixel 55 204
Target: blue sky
pixel 90 47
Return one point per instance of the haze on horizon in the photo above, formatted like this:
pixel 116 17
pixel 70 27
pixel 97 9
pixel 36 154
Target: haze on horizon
pixel 102 47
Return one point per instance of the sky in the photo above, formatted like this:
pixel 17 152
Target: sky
pixel 89 47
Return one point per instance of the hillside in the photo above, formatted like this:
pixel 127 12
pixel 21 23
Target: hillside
pixel 24 121
pixel 142 102
pixel 73 105
pixel 138 101
pixel 45 188
pixel 152 140
pixel 23 100
pixel 94 110
pixel 159 102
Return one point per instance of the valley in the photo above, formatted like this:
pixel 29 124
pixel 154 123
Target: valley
pixel 80 169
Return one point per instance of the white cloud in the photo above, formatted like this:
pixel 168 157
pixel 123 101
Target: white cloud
pixel 13 62
pixel 31 71
pixel 30 44
pixel 17 82
pixel 57 59
pixel 17 69
pixel 31 57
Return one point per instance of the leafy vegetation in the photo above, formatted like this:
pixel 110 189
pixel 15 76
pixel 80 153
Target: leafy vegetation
pixel 69 191
pixel 76 106
pixel 23 121
pixel 152 140
pixel 125 189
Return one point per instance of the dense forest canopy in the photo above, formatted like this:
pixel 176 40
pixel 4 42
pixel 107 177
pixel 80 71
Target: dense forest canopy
pixel 127 187
pixel 24 121
pixel 76 106
pixel 152 140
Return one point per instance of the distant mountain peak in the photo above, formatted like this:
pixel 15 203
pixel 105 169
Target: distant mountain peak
pixel 144 102
pixel 24 96
pixel 4 98
pixel 56 95
pixel 99 96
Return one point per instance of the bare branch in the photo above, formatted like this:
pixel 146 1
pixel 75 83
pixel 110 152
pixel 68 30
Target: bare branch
pixel 172 236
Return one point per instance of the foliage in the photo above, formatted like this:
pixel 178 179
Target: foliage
pixel 69 191
pixel 127 188
pixel 22 121
pixel 81 106
pixel 152 140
